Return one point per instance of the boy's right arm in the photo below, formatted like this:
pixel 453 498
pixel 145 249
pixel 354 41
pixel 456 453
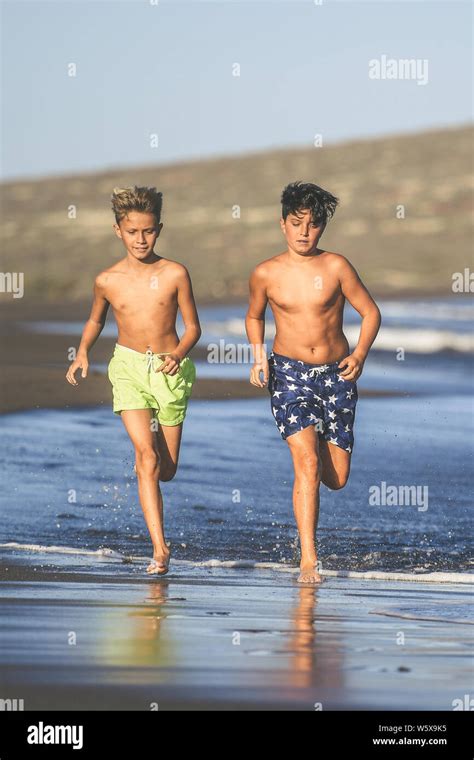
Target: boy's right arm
pixel 91 332
pixel 255 326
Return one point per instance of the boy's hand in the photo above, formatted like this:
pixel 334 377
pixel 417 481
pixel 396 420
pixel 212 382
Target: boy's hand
pixel 80 362
pixel 257 368
pixel 170 365
pixel 354 364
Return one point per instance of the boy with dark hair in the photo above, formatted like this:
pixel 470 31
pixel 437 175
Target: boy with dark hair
pixel 151 374
pixel 311 372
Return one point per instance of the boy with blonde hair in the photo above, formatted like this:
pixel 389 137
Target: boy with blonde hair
pixel 151 373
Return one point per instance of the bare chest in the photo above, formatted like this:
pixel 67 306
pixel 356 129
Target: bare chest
pixel 149 296
pixel 313 291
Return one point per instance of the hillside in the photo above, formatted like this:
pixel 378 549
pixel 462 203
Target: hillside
pixel 429 173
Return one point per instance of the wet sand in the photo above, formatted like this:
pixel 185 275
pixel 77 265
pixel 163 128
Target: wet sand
pixel 223 638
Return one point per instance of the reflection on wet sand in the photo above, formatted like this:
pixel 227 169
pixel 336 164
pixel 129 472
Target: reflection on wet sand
pixel 296 658
pixel 313 663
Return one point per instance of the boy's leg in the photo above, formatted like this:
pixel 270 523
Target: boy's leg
pixel 169 442
pixel 304 449
pixel 336 465
pixel 138 425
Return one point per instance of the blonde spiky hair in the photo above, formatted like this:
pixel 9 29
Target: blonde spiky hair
pixel 145 199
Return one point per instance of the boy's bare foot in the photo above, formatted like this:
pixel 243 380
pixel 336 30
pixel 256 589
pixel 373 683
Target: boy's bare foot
pixel 309 573
pixel 159 564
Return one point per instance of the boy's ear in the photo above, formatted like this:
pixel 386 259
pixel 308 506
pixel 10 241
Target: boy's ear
pixel 116 229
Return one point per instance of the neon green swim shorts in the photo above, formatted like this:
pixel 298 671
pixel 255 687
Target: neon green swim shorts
pixel 137 385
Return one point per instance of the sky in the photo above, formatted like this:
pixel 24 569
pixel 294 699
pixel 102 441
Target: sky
pixel 90 86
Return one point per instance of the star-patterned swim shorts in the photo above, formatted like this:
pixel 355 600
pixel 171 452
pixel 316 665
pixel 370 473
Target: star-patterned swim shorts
pixel 312 394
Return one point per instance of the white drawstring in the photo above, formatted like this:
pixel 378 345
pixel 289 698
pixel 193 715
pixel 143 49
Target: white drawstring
pixel 317 370
pixel 150 357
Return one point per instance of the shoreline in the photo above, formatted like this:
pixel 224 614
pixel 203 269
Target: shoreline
pixel 23 554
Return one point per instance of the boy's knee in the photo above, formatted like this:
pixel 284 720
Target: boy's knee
pixel 168 473
pixel 336 486
pixel 308 465
pixel 338 482
pixel 147 459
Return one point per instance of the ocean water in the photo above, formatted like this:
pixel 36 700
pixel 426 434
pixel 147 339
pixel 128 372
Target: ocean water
pixel 425 326
pixel 69 483
pixel 436 337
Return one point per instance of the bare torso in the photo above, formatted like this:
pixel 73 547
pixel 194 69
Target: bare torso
pixel 307 304
pixel 145 306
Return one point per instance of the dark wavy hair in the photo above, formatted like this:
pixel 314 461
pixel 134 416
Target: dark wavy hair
pixel 299 196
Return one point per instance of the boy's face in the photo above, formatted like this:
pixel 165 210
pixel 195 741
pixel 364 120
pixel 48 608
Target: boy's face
pixel 139 232
pixel 302 234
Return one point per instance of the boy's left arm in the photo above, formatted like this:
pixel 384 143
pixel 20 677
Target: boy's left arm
pixel 192 328
pixel 359 297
